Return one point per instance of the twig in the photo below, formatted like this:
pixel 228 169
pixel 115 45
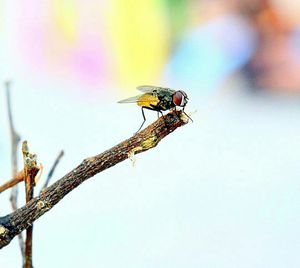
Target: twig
pixel 23 218
pixel 51 172
pixel 15 139
pixel 30 171
pixel 19 177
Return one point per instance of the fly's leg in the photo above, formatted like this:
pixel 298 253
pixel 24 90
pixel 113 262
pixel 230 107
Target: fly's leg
pixel 143 121
pixel 160 112
pixel 187 115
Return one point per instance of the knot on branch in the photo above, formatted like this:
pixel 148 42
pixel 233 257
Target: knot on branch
pixel 42 207
pixel 3 231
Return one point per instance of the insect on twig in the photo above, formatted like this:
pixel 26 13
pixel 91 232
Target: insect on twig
pixel 158 99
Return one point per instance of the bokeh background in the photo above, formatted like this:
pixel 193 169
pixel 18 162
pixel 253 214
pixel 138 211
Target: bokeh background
pixel 220 192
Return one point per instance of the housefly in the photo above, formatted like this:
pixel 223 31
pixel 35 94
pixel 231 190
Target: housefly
pixel 158 99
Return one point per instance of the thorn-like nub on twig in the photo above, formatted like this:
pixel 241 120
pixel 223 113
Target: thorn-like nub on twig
pixel 51 172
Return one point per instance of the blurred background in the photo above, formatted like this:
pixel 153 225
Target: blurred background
pixel 233 198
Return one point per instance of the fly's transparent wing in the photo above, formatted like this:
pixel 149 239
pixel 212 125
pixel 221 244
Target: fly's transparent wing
pixel 147 88
pixel 154 89
pixel 145 100
pixel 130 100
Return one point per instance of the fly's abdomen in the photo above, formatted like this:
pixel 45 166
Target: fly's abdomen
pixel 148 100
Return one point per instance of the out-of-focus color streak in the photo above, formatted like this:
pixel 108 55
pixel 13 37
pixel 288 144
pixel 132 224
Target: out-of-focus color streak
pixel 66 14
pixel 177 14
pixel 117 44
pixel 139 39
pixel 96 43
pixel 66 39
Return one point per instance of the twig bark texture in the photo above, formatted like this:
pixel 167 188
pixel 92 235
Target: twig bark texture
pixel 22 218
pixel 30 171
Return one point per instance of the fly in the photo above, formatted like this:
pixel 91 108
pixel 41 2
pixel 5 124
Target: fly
pixel 158 99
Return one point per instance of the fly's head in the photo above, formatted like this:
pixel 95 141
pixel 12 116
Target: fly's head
pixel 180 98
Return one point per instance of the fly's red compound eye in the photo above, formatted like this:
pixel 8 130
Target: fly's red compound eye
pixel 178 98
pixel 184 94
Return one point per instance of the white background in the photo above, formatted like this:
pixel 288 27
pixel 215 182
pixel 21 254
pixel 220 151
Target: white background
pixel 220 192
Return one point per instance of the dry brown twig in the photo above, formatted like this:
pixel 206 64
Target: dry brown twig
pixel 12 182
pixel 15 139
pixel 14 223
pixel 28 175
pixel 30 171
pixel 51 172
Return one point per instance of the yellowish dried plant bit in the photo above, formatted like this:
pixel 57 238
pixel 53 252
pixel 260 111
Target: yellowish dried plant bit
pixel 149 143
pixel 3 230
pixel 186 117
pixel 131 154
pixel 145 145
pixel 132 159
pixel 39 175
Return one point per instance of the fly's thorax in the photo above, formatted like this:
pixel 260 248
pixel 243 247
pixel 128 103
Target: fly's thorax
pixel 165 100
